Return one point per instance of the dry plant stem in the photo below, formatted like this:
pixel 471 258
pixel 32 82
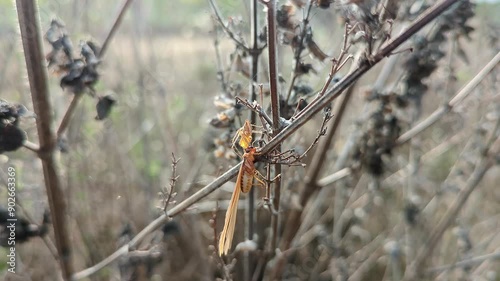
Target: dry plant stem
pixel 114 27
pixel 76 97
pixel 348 80
pixel 31 40
pixel 299 50
pixel 249 264
pixel 275 111
pixel 224 27
pixel 31 146
pixel 321 132
pixel 328 180
pixel 265 119
pixel 464 263
pixel 68 114
pixel 459 97
pixel 310 186
pixel 336 66
pixel 173 180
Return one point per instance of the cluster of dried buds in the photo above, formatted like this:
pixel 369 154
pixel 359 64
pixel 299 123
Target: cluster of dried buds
pixel 424 59
pixel 78 75
pixel 380 132
pixel 11 136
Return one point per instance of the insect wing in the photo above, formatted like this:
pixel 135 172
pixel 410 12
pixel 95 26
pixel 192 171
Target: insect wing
pixel 226 237
pixel 245 134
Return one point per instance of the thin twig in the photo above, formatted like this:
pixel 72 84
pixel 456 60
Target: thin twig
pixel 31 146
pixel 337 64
pixel 321 132
pixel 226 28
pixel 328 180
pixel 167 196
pixel 114 27
pixel 68 114
pixel 464 263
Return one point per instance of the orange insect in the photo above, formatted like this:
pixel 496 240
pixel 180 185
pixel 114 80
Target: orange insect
pixel 245 135
pixel 244 183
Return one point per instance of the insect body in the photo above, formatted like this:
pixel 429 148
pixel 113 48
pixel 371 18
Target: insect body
pixel 245 135
pixel 244 183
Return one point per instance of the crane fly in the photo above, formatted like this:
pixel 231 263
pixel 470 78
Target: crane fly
pixel 244 183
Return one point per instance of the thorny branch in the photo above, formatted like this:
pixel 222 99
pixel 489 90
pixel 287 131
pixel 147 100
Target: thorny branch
pixel 167 196
pixel 321 132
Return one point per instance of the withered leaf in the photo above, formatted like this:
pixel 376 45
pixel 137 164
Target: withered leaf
pixel 11 137
pixel 104 106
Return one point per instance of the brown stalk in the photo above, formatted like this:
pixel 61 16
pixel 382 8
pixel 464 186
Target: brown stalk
pixel 249 264
pixel 33 54
pixel 347 81
pixel 275 111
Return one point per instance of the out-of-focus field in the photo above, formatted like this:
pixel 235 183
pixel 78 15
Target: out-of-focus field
pixel 161 66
